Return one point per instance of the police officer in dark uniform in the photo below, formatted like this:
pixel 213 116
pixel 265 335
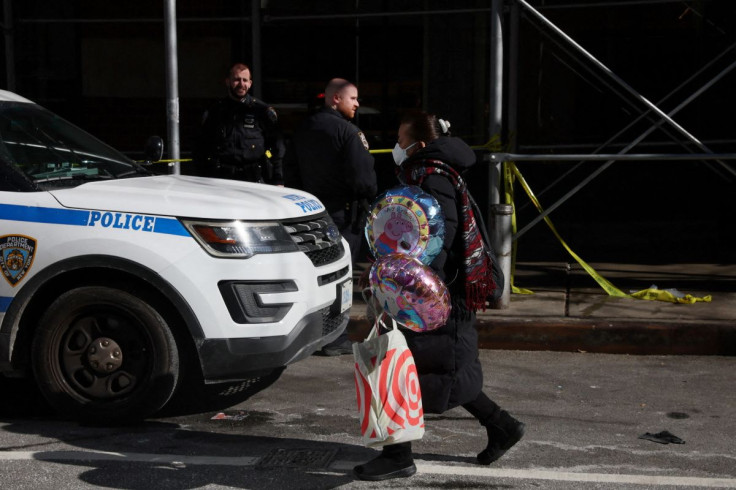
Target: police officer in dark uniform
pixel 330 158
pixel 240 138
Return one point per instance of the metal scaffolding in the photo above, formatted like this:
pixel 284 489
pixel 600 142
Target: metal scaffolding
pixel 662 118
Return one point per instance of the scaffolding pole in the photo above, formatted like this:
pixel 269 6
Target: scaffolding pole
pixel 499 222
pixel 527 157
pixel 172 85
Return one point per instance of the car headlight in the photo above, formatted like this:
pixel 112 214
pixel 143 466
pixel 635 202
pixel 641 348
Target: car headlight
pixel 240 239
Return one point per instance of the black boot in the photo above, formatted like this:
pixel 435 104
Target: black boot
pixel 395 461
pixel 503 432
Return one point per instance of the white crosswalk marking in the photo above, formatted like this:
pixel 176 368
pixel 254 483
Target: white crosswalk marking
pixel 423 467
pixel 532 474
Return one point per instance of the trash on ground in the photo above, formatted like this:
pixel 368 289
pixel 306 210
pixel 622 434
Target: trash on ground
pixel 225 416
pixel 663 437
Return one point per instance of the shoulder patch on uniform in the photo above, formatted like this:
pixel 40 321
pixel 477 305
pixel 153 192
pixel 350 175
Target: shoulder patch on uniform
pixel 271 114
pixel 363 140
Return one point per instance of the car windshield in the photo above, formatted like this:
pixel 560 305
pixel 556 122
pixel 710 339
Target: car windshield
pixel 52 152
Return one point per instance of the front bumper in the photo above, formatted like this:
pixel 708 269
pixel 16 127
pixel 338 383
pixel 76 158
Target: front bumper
pixel 242 358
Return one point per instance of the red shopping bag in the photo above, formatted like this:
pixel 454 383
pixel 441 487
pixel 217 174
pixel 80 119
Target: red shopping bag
pixel 387 386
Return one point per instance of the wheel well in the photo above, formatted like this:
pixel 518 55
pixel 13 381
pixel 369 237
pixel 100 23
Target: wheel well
pixel 108 277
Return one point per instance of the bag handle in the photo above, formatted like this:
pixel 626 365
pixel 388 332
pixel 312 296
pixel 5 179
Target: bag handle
pixel 376 330
pixel 378 315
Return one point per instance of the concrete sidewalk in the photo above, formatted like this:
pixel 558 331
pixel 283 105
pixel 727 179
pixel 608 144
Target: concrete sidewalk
pixel 569 311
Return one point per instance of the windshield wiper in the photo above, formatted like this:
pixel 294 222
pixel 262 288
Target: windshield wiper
pixel 137 170
pixel 80 176
pixel 53 141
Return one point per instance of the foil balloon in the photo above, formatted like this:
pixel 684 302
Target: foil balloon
pixel 407 220
pixel 410 292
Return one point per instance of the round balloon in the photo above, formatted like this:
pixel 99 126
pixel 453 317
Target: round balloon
pixel 410 292
pixel 407 220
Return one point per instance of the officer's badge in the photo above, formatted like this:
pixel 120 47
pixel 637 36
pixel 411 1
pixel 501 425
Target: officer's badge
pixel 249 122
pixel 363 140
pixel 17 252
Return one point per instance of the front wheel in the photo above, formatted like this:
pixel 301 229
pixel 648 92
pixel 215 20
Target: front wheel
pixel 104 355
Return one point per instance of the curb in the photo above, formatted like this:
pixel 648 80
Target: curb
pixel 634 337
pixel 608 337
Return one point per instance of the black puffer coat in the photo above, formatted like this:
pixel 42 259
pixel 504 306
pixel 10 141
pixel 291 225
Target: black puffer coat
pixel 447 361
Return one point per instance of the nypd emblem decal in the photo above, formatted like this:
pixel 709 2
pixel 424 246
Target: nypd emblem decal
pixel 332 234
pixel 17 257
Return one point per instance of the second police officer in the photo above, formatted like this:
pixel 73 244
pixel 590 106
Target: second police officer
pixel 239 137
pixel 331 159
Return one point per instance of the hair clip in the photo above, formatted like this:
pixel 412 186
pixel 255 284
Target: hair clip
pixel 444 125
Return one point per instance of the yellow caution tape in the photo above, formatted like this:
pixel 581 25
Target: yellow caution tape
pixel 603 282
pixel 518 290
pixel 655 294
pixel 508 179
pixel 651 294
pixel 493 145
pixel 510 172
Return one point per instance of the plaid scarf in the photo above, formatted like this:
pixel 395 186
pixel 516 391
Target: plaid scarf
pixel 477 265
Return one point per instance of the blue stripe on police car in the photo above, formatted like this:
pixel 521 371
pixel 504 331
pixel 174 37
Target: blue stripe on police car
pixel 98 219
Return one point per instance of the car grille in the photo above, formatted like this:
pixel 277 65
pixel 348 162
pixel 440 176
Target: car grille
pixel 332 277
pixel 311 238
pixel 331 320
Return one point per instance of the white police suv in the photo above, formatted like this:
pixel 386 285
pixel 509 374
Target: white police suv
pixel 115 282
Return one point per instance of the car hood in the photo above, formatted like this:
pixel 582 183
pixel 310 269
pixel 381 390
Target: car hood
pixel 191 197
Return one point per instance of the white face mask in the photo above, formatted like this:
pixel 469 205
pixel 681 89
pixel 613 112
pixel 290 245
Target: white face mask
pixel 399 153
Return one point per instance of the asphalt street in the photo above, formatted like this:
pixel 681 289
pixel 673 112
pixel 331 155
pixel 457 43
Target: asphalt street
pixel 584 412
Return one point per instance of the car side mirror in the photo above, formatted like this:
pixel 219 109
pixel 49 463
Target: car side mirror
pixel 154 149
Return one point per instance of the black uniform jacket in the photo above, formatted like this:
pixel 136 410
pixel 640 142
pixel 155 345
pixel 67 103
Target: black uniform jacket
pixel 330 158
pixel 450 372
pixel 236 134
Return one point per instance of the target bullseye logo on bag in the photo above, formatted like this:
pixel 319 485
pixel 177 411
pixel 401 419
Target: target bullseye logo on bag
pixel 388 393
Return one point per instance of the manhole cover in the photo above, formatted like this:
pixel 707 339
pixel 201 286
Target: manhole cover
pixel 298 458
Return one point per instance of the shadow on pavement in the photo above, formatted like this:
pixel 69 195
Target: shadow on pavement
pixel 21 397
pixel 198 397
pixel 206 457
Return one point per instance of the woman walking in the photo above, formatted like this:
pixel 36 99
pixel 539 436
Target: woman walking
pixel 450 372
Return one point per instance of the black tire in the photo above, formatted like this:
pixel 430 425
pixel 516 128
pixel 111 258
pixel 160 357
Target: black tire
pixel 103 355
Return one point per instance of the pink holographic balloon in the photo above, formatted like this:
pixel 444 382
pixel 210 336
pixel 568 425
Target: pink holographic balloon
pixel 410 292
